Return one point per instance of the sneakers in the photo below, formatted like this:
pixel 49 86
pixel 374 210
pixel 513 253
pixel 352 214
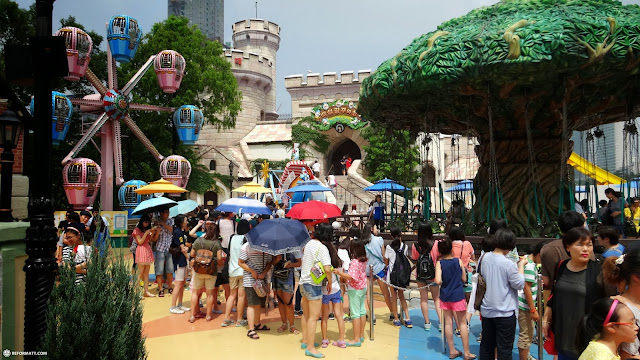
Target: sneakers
pixel 176 310
pixel 427 326
pixel 458 332
pixel 332 316
pixel 440 327
pixel 183 308
pixel 346 317
pixel 529 357
pixel 297 313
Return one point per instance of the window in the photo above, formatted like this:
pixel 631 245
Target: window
pixel 212 165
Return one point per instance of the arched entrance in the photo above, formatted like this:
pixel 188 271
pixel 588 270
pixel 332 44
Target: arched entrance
pixel 211 199
pixel 348 147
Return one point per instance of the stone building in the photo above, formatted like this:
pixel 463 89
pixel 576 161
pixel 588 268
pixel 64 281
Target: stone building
pixel 260 133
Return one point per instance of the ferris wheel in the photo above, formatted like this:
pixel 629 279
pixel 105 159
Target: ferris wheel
pixel 112 104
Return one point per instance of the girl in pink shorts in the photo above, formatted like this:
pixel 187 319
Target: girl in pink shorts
pixel 451 276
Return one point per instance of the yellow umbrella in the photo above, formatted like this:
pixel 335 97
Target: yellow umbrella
pixel 252 188
pixel 160 186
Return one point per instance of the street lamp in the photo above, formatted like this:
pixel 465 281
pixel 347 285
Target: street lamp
pixel 230 176
pixel 10 128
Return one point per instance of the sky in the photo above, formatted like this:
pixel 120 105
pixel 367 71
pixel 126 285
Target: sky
pixel 317 36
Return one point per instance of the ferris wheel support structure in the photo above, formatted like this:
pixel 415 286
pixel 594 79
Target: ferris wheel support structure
pixel 109 126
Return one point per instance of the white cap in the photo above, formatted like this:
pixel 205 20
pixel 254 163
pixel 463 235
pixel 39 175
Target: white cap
pixel 336 225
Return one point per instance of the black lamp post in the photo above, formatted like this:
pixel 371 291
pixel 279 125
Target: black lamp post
pixel 10 128
pixel 41 235
pixel 231 166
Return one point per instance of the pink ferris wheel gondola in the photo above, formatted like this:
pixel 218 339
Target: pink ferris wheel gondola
pixel 176 169
pixel 169 67
pixel 79 46
pixel 81 182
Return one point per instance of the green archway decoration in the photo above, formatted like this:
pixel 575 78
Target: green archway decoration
pixel 336 113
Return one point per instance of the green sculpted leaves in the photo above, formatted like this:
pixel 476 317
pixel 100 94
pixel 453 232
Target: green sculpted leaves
pixel 530 42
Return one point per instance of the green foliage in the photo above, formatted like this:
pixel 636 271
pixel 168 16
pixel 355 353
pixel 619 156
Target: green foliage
pixel 305 134
pixel 98 319
pixel 391 154
pixel 16 26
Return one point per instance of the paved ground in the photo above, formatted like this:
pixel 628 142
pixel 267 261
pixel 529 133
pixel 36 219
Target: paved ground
pixel 172 336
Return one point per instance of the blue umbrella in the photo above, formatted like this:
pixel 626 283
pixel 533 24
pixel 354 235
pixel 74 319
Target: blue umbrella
pixel 244 205
pixel 183 207
pixel 385 185
pixel 278 236
pixel 465 185
pixel 153 205
pixel 308 186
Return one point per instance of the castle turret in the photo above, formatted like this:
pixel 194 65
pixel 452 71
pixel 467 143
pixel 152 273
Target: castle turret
pixel 260 37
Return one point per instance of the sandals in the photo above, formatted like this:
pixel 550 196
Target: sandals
pixel 340 343
pixel 282 328
pixel 325 343
pixel 293 330
pixel 357 344
pixel 241 323
pixel 251 334
pixel 148 294
pixel 456 355
pixel 192 319
pixel 473 356
pixel 160 293
pixel 227 322
pixel 209 318
pixel 261 327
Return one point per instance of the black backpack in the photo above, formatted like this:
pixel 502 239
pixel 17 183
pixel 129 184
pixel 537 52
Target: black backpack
pixel 426 269
pixel 401 272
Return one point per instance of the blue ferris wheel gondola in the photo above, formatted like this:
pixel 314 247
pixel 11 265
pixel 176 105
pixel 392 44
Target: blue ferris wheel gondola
pixel 188 121
pixel 128 197
pixel 123 35
pixel 60 116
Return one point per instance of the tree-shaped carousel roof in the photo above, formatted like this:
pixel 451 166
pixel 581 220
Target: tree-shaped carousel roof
pixel 542 57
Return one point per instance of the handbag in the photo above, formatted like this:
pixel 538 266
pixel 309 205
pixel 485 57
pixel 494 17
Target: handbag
pixel 280 272
pixel 174 250
pixel 550 343
pixel 481 287
pixel 260 287
pixel 317 270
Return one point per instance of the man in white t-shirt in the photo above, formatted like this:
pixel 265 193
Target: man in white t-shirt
pixel 331 179
pixel 316 168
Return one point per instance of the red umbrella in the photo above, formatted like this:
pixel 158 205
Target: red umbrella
pixel 314 210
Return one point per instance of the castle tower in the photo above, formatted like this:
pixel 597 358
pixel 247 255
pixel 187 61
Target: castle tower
pixel 261 37
pixel 253 62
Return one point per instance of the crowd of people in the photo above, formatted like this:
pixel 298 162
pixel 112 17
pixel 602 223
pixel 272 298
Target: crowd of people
pixel 591 304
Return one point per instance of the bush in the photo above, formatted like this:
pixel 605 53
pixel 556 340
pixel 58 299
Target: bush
pixel 98 319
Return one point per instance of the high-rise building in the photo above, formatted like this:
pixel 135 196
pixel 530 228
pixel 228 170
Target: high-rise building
pixel 208 15
pixel 607 147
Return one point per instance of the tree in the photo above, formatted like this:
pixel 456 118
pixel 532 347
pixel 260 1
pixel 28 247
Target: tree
pixel 208 83
pixel 305 134
pixel 391 154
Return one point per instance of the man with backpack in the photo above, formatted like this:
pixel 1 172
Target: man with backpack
pixel 206 257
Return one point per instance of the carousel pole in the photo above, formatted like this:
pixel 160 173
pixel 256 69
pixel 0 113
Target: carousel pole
pixel 41 235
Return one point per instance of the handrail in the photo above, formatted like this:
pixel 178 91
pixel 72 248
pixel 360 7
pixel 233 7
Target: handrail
pixel 351 194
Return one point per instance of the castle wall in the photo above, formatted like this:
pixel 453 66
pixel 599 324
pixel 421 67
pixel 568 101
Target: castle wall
pixel 312 90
